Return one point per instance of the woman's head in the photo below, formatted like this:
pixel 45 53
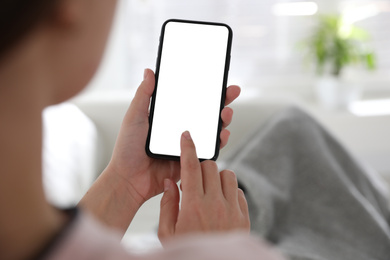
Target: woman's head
pixel 18 17
pixel 69 35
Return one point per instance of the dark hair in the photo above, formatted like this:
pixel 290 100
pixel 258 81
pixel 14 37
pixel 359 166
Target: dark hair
pixel 18 17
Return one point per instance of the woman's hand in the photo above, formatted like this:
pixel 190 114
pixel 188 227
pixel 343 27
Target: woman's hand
pixel 132 177
pixel 144 175
pixel 211 200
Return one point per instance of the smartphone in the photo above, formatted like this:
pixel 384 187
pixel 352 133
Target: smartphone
pixel 191 76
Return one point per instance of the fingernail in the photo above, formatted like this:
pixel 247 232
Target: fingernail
pixel 187 135
pixel 167 184
pixel 145 73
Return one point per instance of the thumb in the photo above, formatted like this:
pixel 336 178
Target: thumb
pixel 139 108
pixel 169 210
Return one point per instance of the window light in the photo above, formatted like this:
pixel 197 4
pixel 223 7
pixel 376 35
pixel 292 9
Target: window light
pixel 295 9
pixel 370 107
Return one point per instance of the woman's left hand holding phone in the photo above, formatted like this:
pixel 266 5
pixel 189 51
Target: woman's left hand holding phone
pixel 132 177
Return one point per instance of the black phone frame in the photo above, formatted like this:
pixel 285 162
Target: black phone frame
pixel 224 86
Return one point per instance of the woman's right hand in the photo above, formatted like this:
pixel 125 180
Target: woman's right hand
pixel 211 200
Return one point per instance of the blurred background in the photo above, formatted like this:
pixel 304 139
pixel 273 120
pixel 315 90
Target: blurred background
pixel 267 53
pixel 329 57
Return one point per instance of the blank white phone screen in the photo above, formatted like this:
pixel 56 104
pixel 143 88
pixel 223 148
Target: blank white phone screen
pixel 189 88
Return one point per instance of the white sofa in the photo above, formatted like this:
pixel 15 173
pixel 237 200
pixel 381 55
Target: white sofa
pixel 366 137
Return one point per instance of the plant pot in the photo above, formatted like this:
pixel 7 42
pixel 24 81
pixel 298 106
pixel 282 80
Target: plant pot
pixel 335 93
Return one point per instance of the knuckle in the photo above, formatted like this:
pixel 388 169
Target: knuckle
pixel 242 220
pixel 219 205
pixel 164 200
pixel 229 176
pixel 195 204
pixel 247 223
pixel 192 165
pixel 210 165
pixel 190 145
pixel 228 110
pixel 162 233
pixel 229 173
pixel 241 195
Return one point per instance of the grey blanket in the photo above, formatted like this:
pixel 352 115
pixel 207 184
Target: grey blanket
pixel 307 195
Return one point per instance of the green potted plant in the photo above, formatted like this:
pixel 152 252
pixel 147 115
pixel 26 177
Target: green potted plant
pixel 333 46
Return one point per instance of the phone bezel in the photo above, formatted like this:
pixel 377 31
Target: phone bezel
pixel 224 84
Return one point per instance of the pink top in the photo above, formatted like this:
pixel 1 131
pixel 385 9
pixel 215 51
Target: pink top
pixel 85 238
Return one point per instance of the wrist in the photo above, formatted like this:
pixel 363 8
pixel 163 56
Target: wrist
pixel 112 200
pixel 122 187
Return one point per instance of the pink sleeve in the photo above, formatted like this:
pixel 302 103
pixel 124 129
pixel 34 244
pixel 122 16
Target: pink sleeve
pixel 88 239
pixel 218 246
